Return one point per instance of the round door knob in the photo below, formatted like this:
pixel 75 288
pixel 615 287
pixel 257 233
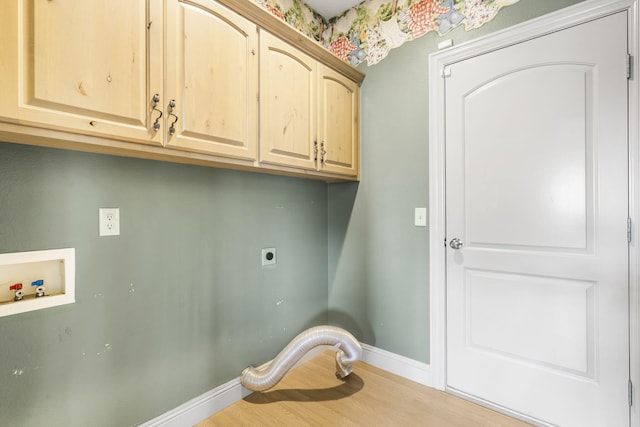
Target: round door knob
pixel 455 243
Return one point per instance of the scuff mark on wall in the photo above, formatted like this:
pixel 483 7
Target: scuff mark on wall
pixel 65 334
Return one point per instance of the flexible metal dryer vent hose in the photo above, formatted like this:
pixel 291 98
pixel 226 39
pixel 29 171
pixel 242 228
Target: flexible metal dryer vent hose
pixel 348 352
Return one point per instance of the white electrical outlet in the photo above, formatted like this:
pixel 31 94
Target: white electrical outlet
pixel 268 256
pixel 109 220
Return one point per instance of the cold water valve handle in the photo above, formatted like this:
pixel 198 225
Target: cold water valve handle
pixel 39 285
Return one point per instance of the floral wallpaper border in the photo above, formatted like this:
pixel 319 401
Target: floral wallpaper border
pixel 368 31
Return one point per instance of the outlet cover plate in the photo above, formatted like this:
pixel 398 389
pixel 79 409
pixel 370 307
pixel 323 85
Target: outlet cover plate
pixel 268 256
pixel 109 220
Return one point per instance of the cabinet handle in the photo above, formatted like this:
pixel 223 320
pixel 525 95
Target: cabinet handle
pixel 154 107
pixel 172 128
pixel 323 153
pixel 315 150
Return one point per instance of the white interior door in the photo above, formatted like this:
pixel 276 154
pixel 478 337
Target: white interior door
pixel 537 194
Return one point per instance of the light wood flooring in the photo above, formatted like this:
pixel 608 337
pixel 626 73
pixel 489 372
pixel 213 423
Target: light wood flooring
pixel 311 395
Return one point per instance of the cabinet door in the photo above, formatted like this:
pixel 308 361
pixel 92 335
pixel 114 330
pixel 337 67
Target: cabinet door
pixel 82 66
pixel 339 132
pixel 212 76
pixel 287 104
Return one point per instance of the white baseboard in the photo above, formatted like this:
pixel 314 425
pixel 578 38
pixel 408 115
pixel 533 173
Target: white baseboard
pixel 201 407
pixel 399 365
pixel 215 400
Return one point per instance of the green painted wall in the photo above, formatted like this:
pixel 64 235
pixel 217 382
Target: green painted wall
pixel 179 304
pixel 378 260
pixel 176 305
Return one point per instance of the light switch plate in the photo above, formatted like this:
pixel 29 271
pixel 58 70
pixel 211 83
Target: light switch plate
pixel 420 217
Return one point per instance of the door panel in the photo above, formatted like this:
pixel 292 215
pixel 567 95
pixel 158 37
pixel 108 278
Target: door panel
pixel 536 185
pixel 541 172
pixel 499 310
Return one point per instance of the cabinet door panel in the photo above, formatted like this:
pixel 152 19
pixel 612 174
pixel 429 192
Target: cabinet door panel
pixel 287 104
pixel 212 74
pixel 339 128
pixel 83 66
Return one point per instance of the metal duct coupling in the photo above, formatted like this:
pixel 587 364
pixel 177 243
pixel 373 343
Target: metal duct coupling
pixel 348 351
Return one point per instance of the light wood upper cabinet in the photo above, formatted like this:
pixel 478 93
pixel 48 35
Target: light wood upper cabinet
pixel 88 67
pixel 339 131
pixel 288 99
pixel 209 82
pixel 96 68
pixel 212 80
pixel 308 112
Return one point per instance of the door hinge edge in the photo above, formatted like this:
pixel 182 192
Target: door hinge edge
pixel 629 66
pixel 630 393
pixel 628 230
pixel 445 72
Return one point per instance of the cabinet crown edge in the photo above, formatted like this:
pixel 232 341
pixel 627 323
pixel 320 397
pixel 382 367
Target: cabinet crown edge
pixel 263 19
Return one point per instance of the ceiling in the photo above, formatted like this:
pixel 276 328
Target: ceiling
pixel 331 8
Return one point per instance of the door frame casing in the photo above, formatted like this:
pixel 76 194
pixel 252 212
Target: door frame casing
pixel 552 22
